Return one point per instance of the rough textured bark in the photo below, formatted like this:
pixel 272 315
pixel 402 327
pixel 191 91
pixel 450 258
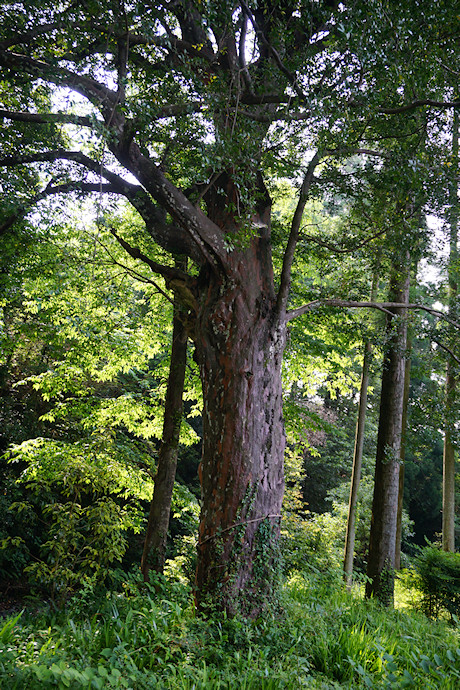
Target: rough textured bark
pixel 356 472
pixel 154 552
pixel 240 341
pixel 380 567
pixel 448 474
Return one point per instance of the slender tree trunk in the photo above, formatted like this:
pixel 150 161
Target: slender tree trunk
pixel 402 455
pixel 381 561
pixel 356 472
pixel 154 552
pixel 448 479
pixel 448 474
pixel 358 455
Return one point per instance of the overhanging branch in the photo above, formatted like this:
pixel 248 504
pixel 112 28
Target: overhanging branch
pixel 446 349
pixel 336 250
pixel 386 307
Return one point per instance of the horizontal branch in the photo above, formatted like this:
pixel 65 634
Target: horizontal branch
pixel 172 237
pixel 387 307
pixel 46 118
pixel 25 38
pixel 91 89
pixel 419 104
pixel 336 250
pixel 75 157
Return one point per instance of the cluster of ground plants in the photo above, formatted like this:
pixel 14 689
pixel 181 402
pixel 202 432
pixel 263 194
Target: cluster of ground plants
pixel 316 634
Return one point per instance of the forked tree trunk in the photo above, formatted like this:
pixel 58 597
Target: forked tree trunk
pixel 380 567
pixel 448 475
pixel 153 556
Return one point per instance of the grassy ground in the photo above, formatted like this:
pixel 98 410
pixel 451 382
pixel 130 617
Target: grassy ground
pixel 317 636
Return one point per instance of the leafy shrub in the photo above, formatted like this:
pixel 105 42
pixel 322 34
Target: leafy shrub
pixel 437 576
pixel 89 501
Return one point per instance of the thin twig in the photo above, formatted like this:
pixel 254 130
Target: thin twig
pixel 237 524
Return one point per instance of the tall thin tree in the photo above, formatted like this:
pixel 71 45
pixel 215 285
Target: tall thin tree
pixel 448 481
pixel 154 551
pixel 358 455
pixel 382 542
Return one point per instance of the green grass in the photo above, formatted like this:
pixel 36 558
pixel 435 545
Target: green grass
pixel 319 636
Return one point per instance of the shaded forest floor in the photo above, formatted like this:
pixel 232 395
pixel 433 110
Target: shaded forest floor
pixel 317 635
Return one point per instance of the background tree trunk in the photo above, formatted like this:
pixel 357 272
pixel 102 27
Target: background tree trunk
pixel 358 454
pixel 154 552
pixel 380 567
pixel 402 455
pixel 448 477
pixel 356 472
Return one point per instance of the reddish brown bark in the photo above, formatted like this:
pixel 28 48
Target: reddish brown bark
pixel 154 552
pixel 240 341
pixel 382 542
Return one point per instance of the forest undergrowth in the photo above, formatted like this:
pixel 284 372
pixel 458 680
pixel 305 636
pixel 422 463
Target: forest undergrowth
pixel 316 635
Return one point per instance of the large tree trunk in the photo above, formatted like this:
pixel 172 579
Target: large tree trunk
pixel 154 552
pixel 380 567
pixel 448 479
pixel 240 341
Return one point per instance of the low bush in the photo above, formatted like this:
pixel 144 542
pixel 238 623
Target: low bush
pixel 436 575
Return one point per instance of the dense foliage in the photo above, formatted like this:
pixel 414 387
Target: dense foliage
pixel 318 637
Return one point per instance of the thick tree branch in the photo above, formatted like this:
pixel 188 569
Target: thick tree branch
pixel 285 281
pixel 242 57
pixel 167 272
pixel 91 89
pixel 64 188
pixel 26 38
pixel 46 118
pixel 75 157
pixel 272 51
pixel 122 53
pixel 163 112
pixel 172 237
